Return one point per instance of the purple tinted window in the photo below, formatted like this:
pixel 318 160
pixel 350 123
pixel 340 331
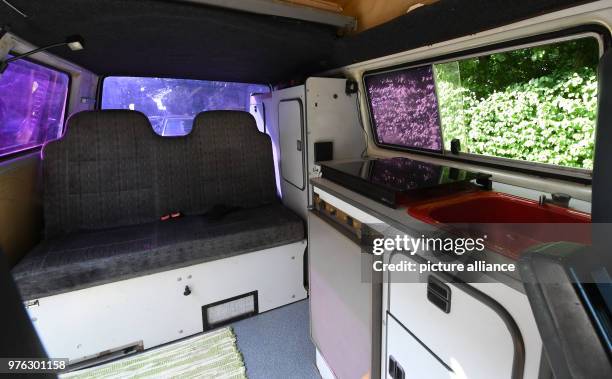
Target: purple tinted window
pixel 404 108
pixel 32 104
pixel 172 104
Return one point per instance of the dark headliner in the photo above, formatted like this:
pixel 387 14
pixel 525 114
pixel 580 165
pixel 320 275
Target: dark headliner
pixel 165 38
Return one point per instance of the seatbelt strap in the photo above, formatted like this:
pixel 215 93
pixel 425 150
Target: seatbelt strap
pixel 171 216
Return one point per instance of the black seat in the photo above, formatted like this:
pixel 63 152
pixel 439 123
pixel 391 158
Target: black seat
pixel 85 259
pixel 108 181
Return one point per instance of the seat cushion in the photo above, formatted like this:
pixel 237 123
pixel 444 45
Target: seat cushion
pixel 101 173
pixel 84 259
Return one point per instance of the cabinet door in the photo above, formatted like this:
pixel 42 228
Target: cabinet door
pixel 291 129
pixel 473 334
pixel 413 358
pixel 341 303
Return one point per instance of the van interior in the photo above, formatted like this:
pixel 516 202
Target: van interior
pixel 326 189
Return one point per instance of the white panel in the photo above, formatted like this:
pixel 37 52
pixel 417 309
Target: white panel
pixel 472 330
pixel 346 207
pixel 293 197
pixel 340 301
pixel 153 309
pixel 270 109
pixel 331 115
pixel 291 127
pixel 517 304
pixel 415 360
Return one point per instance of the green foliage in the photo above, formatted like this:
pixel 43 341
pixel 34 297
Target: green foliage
pixel 535 104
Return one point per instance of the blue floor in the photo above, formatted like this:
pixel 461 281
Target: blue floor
pixel 276 344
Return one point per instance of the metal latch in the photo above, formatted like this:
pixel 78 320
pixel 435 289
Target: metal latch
pixel 31 303
pixel 439 294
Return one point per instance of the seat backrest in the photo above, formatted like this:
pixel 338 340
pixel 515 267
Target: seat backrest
pixel 225 160
pixel 110 169
pixel 101 174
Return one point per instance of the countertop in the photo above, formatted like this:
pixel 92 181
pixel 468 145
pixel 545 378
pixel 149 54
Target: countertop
pixel 402 223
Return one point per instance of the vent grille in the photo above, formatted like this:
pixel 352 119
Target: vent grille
pixel 229 310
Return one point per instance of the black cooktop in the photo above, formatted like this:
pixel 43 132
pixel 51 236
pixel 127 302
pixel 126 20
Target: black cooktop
pixel 385 180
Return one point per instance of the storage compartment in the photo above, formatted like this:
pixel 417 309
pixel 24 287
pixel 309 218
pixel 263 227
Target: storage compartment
pixel 408 358
pixel 345 309
pixel 467 330
pixel 157 308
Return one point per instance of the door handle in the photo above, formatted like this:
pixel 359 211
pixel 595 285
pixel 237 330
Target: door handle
pixel 439 294
pixel 299 145
pixel 396 371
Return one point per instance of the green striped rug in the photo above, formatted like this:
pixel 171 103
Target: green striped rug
pixel 211 355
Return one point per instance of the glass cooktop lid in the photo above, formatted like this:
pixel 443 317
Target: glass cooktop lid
pixel 403 174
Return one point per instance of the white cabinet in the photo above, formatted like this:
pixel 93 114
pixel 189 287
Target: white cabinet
pixel 476 338
pixel 344 327
pixel 414 360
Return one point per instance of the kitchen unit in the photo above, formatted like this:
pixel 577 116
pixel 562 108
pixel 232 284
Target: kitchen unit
pixel 410 324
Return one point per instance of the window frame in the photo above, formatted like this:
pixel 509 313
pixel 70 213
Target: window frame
pixel 27 150
pixel 579 175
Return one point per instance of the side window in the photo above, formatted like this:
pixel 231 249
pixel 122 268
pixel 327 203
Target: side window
pixel 536 104
pixel 172 104
pixel 32 105
pixel 405 108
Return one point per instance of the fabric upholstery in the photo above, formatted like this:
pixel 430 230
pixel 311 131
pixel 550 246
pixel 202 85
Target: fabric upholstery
pixel 108 181
pixel 225 160
pixel 101 173
pixel 85 259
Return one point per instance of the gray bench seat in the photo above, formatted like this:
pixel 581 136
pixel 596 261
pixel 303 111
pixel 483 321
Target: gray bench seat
pixel 86 259
pixel 108 181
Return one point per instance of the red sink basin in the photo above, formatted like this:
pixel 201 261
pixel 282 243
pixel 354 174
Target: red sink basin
pixel 511 224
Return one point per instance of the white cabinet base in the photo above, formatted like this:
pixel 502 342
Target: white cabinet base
pixel 152 310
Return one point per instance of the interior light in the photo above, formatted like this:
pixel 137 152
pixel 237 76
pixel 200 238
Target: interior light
pixel 75 43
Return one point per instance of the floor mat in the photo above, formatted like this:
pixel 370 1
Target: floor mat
pixel 210 355
pixel 276 344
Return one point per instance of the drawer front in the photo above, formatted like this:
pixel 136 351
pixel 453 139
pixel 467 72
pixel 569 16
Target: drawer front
pixel 407 358
pixel 467 330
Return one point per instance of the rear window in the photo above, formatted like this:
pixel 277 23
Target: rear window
pixel 32 105
pixel 172 104
pixel 535 104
